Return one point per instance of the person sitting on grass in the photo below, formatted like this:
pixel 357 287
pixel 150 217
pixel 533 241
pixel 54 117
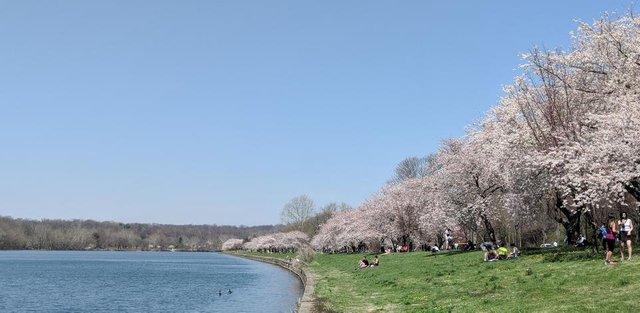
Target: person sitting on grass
pixel 515 252
pixel 469 246
pixel 502 252
pixel 492 255
pixel 580 243
pixel 487 247
pixel 375 261
pixel 364 263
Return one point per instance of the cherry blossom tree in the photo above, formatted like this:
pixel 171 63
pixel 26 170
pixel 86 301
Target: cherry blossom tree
pixel 398 214
pixel 562 143
pixel 575 114
pixel 278 242
pixel 232 244
pixel 469 179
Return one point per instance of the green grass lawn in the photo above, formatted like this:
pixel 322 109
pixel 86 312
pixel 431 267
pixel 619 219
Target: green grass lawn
pixel 554 281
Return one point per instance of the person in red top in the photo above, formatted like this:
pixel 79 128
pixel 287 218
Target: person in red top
pixel 610 239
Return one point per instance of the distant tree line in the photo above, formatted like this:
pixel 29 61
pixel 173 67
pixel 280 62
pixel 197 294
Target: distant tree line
pixel 18 234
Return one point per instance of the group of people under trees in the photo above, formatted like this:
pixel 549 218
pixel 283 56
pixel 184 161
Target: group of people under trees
pixel 613 231
pixel 494 252
pixel 609 233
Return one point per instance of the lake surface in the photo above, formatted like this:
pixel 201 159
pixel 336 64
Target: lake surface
pixel 101 281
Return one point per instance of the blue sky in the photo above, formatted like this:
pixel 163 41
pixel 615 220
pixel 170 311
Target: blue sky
pixel 219 112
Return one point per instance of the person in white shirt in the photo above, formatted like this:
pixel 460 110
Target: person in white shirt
pixel 626 226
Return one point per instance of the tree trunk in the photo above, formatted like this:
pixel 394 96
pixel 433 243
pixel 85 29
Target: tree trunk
pixel 633 188
pixel 594 228
pixel 487 225
pixel 570 220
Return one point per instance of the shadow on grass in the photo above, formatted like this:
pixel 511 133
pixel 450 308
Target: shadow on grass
pixel 321 306
pixel 447 252
pixel 555 254
pixel 563 254
pixel 564 249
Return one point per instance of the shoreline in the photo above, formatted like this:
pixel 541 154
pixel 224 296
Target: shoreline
pixel 306 276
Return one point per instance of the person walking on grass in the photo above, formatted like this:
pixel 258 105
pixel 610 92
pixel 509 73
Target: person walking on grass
pixel 610 239
pixel 625 227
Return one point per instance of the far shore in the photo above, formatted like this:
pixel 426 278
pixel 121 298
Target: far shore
pixel 117 250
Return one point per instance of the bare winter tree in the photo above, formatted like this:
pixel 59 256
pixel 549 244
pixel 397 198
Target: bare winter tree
pixel 412 167
pixel 324 214
pixel 297 211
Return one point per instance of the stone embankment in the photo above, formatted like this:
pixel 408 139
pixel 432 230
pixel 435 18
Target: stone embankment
pixel 297 267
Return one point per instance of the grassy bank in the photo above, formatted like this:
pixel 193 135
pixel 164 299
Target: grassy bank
pixel 553 281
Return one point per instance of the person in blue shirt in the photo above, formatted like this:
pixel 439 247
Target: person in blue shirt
pixel 603 232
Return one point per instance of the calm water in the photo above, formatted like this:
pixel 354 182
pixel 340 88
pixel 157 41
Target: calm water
pixel 70 281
